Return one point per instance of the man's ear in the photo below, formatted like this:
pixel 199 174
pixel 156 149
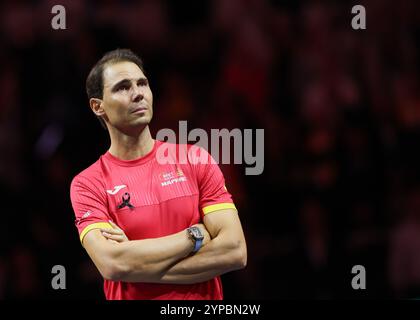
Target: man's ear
pixel 96 106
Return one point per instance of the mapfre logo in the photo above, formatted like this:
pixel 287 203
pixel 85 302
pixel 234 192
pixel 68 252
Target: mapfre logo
pixel 168 178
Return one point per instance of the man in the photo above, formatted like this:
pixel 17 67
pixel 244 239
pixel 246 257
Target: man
pixel 182 224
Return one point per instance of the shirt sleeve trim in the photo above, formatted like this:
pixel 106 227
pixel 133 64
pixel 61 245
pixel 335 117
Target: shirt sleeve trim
pixel 218 206
pixel 93 226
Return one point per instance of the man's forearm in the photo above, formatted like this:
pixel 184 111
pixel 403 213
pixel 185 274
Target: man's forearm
pixel 169 262
pixel 146 260
pixel 218 257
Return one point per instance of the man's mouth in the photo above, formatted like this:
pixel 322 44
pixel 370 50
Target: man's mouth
pixel 139 110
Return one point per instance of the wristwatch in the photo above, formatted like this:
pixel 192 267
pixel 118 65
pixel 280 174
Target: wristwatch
pixel 194 233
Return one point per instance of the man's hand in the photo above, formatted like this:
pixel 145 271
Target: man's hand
pixel 117 235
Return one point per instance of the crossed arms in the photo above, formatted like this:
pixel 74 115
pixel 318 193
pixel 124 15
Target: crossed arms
pixel 167 259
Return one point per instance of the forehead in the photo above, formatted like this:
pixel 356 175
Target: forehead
pixel 113 73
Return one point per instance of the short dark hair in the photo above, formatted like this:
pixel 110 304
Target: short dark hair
pixel 95 79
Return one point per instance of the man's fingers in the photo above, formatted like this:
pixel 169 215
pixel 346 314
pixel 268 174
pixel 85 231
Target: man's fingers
pixel 110 235
pixel 115 233
pixel 112 231
pixel 113 225
pixel 115 237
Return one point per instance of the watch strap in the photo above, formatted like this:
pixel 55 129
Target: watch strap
pixel 197 245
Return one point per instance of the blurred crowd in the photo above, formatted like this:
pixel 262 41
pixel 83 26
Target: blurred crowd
pixel 341 114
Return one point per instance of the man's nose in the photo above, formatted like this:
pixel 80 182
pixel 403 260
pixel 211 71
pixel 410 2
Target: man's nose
pixel 138 94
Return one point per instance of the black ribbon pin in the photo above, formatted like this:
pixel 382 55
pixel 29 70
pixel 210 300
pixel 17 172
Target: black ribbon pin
pixel 125 201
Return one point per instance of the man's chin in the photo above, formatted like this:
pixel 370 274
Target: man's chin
pixel 142 122
pixel 130 126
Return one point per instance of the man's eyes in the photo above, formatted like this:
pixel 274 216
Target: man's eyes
pixel 142 83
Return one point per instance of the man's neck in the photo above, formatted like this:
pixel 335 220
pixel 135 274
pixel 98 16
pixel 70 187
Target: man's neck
pixel 128 147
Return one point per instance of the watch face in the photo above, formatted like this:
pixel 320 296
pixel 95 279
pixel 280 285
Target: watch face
pixel 196 233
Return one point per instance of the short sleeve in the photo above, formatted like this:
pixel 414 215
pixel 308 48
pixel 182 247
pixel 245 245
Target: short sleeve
pixel 211 183
pixel 89 205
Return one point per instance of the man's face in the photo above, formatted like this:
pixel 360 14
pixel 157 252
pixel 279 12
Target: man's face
pixel 127 99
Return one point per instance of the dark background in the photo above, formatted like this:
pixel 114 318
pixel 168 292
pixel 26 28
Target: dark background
pixel 341 114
